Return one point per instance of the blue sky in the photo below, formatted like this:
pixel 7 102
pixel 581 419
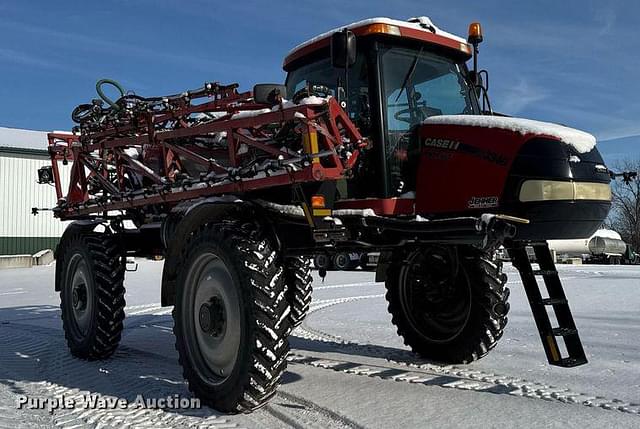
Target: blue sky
pixel 573 62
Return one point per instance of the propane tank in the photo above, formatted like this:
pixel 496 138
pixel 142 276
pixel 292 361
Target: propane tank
pixel 584 246
pixel 607 246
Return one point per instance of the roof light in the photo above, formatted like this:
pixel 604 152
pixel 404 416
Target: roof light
pixel 475 33
pixel 382 28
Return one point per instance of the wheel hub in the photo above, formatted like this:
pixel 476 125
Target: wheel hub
pixel 212 303
pixel 212 317
pixel 79 297
pixel 435 296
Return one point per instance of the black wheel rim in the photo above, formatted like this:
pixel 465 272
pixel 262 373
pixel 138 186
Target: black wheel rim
pixel 212 318
pixel 80 295
pixel 435 294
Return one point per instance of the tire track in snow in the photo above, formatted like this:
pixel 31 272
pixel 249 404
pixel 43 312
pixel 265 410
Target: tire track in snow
pixel 424 372
pixel 414 370
pixel 14 355
pixel 326 412
pixel 348 285
pixel 50 371
pixel 421 371
pixel 448 376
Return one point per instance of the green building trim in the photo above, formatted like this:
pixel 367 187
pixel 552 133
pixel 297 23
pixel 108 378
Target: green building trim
pixel 24 151
pixel 26 245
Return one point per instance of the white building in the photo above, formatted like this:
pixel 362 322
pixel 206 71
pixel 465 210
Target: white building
pixel 22 153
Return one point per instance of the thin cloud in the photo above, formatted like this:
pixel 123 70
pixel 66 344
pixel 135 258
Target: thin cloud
pixel 11 56
pixel 520 96
pixel 22 58
pixel 620 133
pixel 607 20
pixel 81 41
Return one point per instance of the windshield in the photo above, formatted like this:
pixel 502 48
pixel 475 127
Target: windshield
pixel 420 84
pixel 416 85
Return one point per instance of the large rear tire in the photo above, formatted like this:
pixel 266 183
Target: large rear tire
pixel 91 284
pixel 231 317
pixel 448 304
pixel 299 284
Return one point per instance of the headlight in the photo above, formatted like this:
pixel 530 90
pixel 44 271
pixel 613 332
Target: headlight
pixel 592 191
pixel 551 190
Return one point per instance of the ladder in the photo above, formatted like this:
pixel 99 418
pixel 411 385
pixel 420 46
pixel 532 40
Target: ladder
pixel 556 300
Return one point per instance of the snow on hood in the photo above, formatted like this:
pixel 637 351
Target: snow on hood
pixel 579 140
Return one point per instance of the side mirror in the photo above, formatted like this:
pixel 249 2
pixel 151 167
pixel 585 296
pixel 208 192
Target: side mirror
pixel 343 49
pixel 269 93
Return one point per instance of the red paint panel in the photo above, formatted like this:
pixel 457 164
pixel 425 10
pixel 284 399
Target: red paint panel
pixel 460 163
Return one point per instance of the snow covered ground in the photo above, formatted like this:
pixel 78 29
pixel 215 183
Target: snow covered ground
pixel 347 369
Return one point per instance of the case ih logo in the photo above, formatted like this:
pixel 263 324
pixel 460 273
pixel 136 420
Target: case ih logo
pixel 482 202
pixel 441 143
pixel 456 145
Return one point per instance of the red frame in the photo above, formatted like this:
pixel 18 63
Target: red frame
pixel 103 151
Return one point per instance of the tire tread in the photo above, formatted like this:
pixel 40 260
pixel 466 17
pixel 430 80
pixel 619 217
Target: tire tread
pixel 106 261
pixel 262 281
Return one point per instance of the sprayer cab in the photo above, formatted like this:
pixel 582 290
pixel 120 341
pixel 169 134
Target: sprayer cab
pixel 407 87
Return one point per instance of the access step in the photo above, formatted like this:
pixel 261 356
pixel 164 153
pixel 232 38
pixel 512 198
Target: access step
pixel 564 332
pixel 544 272
pixel 556 302
pixel 571 362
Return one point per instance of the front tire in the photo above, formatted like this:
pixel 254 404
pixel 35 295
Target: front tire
pixel 448 304
pixel 91 293
pixel 231 316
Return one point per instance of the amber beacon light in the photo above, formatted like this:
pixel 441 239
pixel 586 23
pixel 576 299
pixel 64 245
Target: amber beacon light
pixel 475 33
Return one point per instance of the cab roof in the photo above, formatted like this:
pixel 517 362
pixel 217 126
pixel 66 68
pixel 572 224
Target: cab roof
pixel 418 28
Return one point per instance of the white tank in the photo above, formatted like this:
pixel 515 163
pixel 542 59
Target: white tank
pixel 575 247
pixel 607 246
pixel 604 241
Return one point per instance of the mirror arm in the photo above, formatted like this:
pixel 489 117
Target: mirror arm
pixel 346 78
pixel 475 60
pixel 485 90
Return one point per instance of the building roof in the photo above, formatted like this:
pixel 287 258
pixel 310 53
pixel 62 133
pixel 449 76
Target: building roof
pixel 18 140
